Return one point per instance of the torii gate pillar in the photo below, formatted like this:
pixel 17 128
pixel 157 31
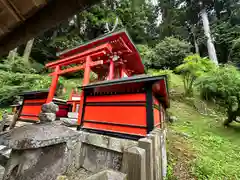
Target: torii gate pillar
pixel 53 86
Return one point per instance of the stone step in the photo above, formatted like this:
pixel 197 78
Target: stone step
pixel 73 115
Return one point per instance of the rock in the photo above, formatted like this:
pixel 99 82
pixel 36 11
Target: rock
pixel 108 175
pixel 6 152
pixel 50 108
pixel 47 117
pixel 173 119
pixel 6 121
pixel 185 135
pixel 62 178
pixel 80 174
pixel 37 135
pixel 69 121
pixel 3 160
pixel 41 152
pixel 94 159
pixel 107 142
pixel 37 164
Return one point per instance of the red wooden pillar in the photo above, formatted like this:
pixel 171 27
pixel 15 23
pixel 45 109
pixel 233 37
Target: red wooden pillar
pixel 53 86
pixel 71 95
pixel 86 80
pixel 122 72
pixel 111 70
pixel 74 107
pixel 87 70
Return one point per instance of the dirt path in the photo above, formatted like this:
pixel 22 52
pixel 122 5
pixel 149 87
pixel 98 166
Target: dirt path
pixel 180 156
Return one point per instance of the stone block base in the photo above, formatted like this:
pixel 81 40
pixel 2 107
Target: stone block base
pixel 108 175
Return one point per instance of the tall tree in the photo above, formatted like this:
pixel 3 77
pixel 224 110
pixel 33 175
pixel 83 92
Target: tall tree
pixel 13 53
pixel 141 21
pixel 226 29
pixel 28 50
pixel 210 45
pixel 200 8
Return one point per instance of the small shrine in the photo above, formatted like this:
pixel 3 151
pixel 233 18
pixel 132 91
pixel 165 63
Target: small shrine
pixel 122 101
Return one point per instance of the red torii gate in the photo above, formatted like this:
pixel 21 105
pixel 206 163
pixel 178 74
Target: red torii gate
pixel 109 57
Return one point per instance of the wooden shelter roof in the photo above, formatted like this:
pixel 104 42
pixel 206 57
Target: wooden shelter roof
pixel 21 20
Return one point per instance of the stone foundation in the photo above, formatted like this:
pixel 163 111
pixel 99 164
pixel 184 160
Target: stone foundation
pixel 50 151
pixel 140 160
pixel 36 164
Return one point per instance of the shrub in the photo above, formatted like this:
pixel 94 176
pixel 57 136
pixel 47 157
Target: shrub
pixel 223 86
pixel 193 67
pixel 12 84
pixel 169 53
pixel 234 54
pixel 147 55
pixel 16 66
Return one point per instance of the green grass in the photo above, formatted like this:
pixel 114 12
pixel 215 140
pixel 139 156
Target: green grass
pixel 214 149
pixel 217 149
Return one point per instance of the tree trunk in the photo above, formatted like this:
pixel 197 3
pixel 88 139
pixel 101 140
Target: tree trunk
pixel 28 50
pixel 196 47
pixel 12 54
pixel 211 48
pixel 195 42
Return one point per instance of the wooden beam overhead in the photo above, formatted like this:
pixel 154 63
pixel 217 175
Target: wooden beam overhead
pixel 19 23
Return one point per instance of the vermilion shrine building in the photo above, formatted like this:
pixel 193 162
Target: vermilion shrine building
pixel 121 102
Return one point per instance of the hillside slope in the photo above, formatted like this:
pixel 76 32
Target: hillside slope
pixel 200 147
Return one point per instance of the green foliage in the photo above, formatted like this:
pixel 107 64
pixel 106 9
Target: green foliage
pixel 70 84
pixel 141 22
pixel 65 42
pixel 223 86
pixel 148 23
pixel 170 175
pixel 169 53
pixel 193 67
pixel 38 67
pixel 2 110
pixel 226 37
pixel 16 65
pixel 12 84
pixel 146 54
pixel 234 54
pixel 174 19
